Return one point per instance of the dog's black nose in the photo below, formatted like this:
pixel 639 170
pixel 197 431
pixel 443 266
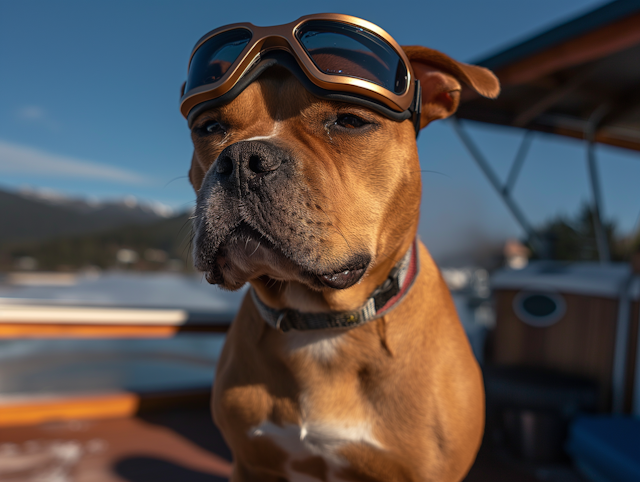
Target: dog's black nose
pixel 248 160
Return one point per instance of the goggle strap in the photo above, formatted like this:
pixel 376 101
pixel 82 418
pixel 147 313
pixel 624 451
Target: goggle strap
pixel 416 107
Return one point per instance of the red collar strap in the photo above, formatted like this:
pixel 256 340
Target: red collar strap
pixel 383 299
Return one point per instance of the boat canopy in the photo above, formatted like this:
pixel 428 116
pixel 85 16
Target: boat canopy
pixel 580 79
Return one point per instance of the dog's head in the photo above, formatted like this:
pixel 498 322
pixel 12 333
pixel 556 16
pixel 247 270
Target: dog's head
pixel 293 188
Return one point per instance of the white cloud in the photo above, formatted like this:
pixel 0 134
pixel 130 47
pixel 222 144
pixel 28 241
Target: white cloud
pixel 32 113
pixel 18 159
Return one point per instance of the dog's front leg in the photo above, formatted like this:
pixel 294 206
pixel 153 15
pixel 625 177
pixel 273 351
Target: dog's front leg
pixel 242 473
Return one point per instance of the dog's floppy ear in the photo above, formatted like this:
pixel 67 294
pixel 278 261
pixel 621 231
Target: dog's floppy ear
pixel 441 79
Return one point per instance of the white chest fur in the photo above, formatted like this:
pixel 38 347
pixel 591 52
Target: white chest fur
pixel 320 345
pixel 322 439
pixel 314 437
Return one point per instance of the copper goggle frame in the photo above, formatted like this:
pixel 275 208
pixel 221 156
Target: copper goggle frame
pixel 283 37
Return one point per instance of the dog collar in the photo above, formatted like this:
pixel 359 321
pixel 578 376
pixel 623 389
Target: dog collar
pixel 383 299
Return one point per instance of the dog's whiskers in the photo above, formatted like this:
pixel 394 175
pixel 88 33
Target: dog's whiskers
pixel 271 282
pixel 430 172
pixel 331 224
pixel 254 251
pixel 175 179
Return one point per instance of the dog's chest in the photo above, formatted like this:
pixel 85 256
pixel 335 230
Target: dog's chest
pixel 313 449
pixel 314 444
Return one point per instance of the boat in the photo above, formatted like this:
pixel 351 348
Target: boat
pixel 107 376
pixel 562 366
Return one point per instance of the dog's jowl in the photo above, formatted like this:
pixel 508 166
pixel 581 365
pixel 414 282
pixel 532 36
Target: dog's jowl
pixel 346 361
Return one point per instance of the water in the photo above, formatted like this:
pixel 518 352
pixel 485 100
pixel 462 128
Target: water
pixel 54 366
pixel 63 366
pixel 31 367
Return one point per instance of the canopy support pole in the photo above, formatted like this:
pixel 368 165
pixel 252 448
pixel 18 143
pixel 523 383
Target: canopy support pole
pixel 521 155
pixel 503 191
pixel 636 385
pixel 604 254
pixel 620 350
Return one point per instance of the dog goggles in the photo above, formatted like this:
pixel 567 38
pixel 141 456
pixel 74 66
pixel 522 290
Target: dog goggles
pixel 336 57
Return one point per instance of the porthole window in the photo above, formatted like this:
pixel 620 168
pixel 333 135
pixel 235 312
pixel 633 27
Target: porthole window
pixel 539 309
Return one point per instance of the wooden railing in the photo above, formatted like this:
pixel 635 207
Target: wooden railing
pixel 23 321
pixel 54 321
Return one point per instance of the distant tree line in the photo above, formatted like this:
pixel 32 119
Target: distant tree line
pixel 573 238
pixel 160 245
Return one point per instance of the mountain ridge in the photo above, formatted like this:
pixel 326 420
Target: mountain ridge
pixel 34 216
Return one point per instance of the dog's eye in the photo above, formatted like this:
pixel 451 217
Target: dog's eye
pixel 350 121
pixel 208 128
pixel 213 127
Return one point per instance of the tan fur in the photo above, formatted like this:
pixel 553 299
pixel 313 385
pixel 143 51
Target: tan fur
pixel 405 388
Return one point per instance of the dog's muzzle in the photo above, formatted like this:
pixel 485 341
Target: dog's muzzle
pixel 246 164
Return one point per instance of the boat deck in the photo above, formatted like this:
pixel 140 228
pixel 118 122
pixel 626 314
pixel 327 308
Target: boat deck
pixel 169 445
pixel 163 446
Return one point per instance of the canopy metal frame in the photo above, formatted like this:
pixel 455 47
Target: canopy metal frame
pixel 580 80
pixel 505 190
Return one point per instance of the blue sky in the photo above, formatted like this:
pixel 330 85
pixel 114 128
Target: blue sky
pixel 89 105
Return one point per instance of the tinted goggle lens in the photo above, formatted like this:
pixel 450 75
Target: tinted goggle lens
pixel 343 49
pixel 335 49
pixel 212 60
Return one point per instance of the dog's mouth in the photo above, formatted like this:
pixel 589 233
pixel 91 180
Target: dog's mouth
pixel 248 250
pixel 343 279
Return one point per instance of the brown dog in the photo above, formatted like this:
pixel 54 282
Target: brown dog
pixel 314 202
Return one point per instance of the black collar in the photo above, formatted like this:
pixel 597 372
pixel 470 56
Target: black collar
pixel 383 299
